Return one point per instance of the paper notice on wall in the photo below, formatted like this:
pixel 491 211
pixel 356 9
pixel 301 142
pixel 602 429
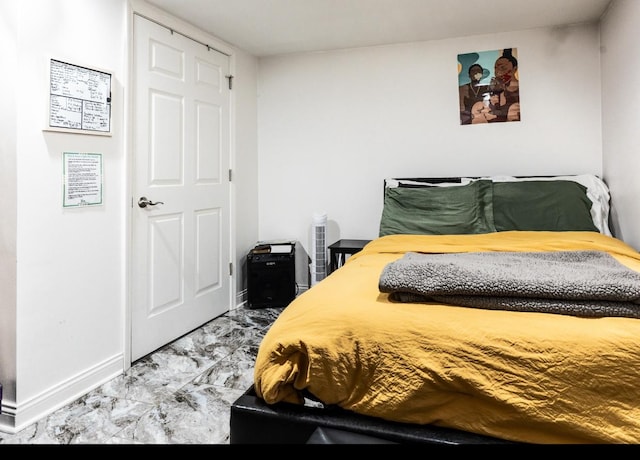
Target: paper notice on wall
pixel 82 179
pixel 80 99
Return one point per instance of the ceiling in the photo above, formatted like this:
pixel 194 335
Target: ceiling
pixel 272 27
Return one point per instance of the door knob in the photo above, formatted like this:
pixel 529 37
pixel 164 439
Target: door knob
pixel 143 202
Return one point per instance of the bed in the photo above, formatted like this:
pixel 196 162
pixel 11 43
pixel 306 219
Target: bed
pixel 488 310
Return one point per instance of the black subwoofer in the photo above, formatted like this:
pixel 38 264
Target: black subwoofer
pixel 271 280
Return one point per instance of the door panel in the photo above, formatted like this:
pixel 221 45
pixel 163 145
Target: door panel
pixel 181 240
pixel 166 151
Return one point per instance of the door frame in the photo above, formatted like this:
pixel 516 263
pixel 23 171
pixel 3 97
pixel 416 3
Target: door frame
pixel 160 17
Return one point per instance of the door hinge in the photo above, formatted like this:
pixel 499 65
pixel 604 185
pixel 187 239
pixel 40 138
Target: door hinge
pixel 230 78
pixel 230 268
pixel 230 175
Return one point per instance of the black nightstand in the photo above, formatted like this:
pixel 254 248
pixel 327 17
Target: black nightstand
pixel 339 250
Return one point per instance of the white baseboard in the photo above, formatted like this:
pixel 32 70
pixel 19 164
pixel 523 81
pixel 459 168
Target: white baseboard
pixel 241 299
pixel 15 417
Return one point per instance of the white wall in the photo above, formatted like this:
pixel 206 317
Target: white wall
pixel 63 290
pixel 333 125
pixel 621 117
pixel 245 169
pixel 70 290
pixel 8 211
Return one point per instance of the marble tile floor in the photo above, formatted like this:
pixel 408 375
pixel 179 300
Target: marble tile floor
pixel 179 394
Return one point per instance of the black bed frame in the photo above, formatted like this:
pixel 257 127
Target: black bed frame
pixel 253 421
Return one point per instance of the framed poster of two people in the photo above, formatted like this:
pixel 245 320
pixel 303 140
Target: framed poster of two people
pixel 489 86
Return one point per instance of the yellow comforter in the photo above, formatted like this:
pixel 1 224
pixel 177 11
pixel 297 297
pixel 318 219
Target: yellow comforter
pixel 533 377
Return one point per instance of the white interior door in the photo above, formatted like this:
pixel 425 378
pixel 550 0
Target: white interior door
pixel 181 245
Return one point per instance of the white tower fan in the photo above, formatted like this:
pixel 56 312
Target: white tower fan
pixel 318 267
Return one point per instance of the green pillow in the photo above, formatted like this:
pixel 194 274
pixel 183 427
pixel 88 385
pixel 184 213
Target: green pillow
pixel 542 205
pixel 461 209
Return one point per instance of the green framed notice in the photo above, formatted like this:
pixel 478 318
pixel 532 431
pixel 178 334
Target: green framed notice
pixel 82 179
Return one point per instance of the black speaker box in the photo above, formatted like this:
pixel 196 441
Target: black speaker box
pixel 271 280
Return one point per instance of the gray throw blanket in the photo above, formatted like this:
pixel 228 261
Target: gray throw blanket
pixel 577 283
